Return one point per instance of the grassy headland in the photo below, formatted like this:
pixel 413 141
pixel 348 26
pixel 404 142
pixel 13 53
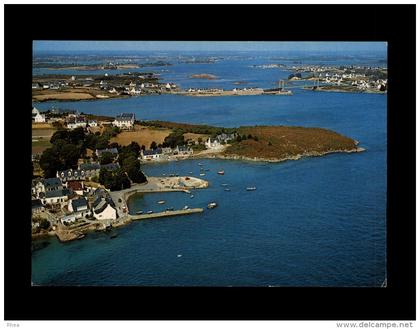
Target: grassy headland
pixel 282 142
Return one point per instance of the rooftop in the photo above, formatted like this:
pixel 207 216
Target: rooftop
pixel 78 203
pixel 125 117
pixel 52 182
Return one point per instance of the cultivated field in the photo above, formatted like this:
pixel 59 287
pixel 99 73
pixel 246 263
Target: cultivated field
pixel 41 134
pixel 142 135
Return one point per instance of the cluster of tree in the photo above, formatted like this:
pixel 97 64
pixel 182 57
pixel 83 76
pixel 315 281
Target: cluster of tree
pixel 186 128
pixel 67 147
pixel 98 141
pixel 174 139
pixel 70 145
pixel 240 138
pixel 114 180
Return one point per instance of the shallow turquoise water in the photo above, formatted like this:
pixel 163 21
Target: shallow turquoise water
pixel 312 222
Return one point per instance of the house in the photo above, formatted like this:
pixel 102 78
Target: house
pixel 213 143
pixel 37 206
pixel 35 111
pixel 148 155
pixel 166 150
pixel 76 187
pixel 90 170
pixel 71 218
pixel 113 151
pixel 49 184
pixel 124 120
pixel 39 118
pixel 92 123
pixel 79 206
pixel 111 166
pixel 226 137
pixel 76 122
pixel 54 197
pixel 183 150
pixel 103 210
pixel 70 175
pixel 36 85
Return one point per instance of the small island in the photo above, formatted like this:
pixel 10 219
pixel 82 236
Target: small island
pixel 203 76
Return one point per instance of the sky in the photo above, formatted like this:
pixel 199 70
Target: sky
pixel 131 46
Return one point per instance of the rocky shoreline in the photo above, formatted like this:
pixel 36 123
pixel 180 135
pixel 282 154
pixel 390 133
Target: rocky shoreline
pixel 274 160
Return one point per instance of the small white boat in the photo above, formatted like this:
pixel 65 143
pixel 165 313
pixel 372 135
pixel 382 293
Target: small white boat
pixel 161 201
pixel 192 196
pixel 200 164
pixel 202 174
pixel 191 172
pixel 186 207
pixel 139 212
pixel 252 188
pixel 221 172
pixel 227 189
pixel 224 184
pixel 150 212
pixel 212 205
pixel 187 191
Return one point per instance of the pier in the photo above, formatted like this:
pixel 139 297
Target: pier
pixel 167 213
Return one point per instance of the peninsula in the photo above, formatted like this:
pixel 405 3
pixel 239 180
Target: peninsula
pixel 92 165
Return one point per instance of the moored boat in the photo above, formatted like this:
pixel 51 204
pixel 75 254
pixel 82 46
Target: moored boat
pixel 139 212
pixel 161 201
pixel 221 172
pixel 252 188
pixel 186 207
pixel 150 212
pixel 212 205
pixel 227 189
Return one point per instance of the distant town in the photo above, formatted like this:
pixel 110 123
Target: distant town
pixel 342 78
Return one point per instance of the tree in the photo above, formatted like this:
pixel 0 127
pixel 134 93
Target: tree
pixel 238 138
pixel 131 166
pixel 105 177
pixel 44 224
pixel 106 158
pixel 102 142
pixel 256 138
pixel 60 135
pixel 243 137
pixel 76 136
pixel 50 162
pixel 200 140
pixel 153 145
pixel 249 136
pixel 69 154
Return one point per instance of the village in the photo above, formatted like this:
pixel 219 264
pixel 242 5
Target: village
pixel 357 78
pixel 104 86
pixel 79 199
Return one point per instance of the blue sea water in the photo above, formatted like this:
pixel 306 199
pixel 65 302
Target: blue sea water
pixel 313 222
